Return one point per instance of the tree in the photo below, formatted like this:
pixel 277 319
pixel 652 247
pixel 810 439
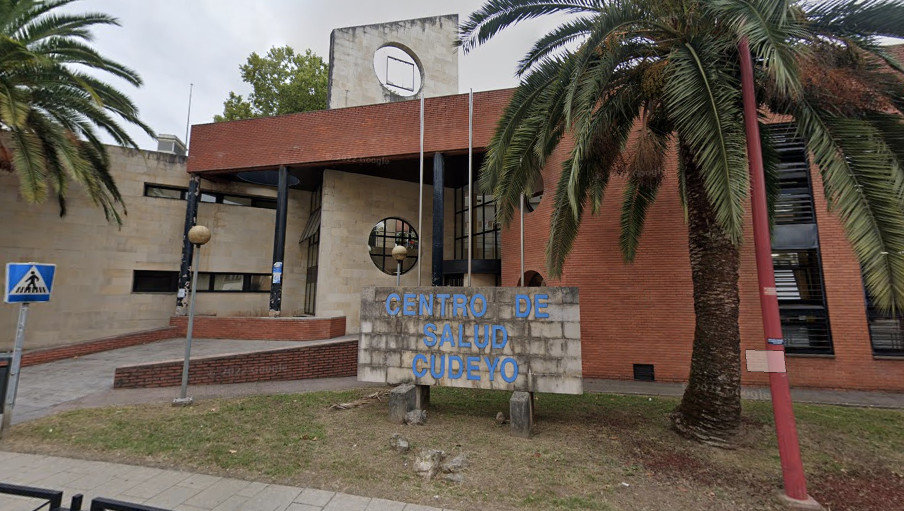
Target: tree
pixel 630 80
pixel 282 82
pixel 51 109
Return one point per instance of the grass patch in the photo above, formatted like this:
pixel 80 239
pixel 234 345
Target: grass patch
pixel 595 451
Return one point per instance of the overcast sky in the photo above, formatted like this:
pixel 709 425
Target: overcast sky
pixel 172 43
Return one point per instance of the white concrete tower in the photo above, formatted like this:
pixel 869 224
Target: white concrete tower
pixel 393 61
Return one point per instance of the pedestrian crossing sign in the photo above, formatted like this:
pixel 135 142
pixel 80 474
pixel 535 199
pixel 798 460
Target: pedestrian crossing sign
pixel 28 282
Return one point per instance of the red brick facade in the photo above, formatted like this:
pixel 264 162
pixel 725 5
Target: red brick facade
pixel 34 357
pixel 277 329
pixel 640 313
pixel 322 360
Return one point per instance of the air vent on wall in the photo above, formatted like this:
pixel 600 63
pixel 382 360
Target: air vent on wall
pixel 644 372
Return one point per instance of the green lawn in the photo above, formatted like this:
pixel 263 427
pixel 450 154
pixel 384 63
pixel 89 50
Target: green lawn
pixel 590 452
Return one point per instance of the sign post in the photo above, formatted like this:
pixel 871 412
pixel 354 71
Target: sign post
pixel 25 283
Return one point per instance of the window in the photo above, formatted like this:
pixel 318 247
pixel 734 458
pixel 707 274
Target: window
pixel 795 249
pixel 310 283
pixel 388 233
pixel 798 283
pixel 147 281
pixel 486 229
pixel 886 331
pixel 179 193
pixel 152 281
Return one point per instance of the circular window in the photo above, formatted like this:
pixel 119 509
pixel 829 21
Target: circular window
pixel 532 201
pixel 388 233
pixel 398 70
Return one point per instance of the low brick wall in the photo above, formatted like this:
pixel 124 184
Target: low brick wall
pixel 320 359
pixel 42 356
pixel 273 329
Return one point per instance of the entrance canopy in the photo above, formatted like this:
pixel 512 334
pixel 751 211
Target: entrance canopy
pixel 378 139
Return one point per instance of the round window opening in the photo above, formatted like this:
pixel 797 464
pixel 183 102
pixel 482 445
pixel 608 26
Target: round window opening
pixel 397 70
pixel 388 233
pixel 532 201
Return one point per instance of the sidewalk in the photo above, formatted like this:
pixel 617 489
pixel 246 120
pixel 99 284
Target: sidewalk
pixel 798 395
pixel 170 489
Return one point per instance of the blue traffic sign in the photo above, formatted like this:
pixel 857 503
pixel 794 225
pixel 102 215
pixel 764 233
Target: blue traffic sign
pixel 28 282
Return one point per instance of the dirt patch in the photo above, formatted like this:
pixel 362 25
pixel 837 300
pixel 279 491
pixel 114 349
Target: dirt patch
pixel 874 491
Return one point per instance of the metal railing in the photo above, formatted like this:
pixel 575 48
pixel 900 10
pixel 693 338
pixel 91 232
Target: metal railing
pixel 53 500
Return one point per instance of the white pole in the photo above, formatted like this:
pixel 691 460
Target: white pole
pixel 521 280
pixel 183 400
pixel 14 370
pixel 470 221
pixel 188 116
pixel 420 198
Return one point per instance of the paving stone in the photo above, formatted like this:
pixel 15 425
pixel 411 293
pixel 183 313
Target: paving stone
pixel 303 507
pixel 315 497
pixel 346 502
pixel 216 493
pixel 385 505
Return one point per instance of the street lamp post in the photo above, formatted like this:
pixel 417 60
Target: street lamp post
pixel 795 483
pixel 197 235
pixel 399 253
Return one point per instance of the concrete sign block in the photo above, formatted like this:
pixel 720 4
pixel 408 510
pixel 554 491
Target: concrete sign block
pixel 514 339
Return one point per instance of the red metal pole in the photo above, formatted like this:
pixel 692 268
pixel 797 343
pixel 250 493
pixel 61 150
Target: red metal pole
pixel 785 428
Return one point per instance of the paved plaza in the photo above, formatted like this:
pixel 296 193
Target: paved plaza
pixel 44 387
pixel 171 489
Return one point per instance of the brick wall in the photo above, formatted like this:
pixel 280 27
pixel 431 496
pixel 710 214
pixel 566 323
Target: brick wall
pixel 328 359
pixel 282 329
pixel 643 313
pixel 34 357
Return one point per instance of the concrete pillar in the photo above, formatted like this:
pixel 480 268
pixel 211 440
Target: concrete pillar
pixel 438 217
pixel 279 242
pixel 192 198
pixel 521 413
pixel 402 400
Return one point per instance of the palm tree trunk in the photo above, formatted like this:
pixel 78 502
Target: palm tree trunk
pixel 710 410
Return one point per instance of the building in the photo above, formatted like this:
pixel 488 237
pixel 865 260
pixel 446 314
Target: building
pixel 347 190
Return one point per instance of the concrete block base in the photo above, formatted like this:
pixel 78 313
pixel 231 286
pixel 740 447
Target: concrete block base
pixel 402 400
pixel 809 504
pixel 521 414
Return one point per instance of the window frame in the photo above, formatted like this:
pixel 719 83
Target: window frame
pixel 257 201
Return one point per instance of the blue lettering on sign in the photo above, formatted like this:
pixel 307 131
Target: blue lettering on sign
pixel 498 345
pixel 430 335
pixel 461 367
pixel 434 372
pixel 486 337
pixel 409 307
pixel 514 365
pixel 472 368
pixel 393 297
pixel 483 300
pixel 422 372
pixel 491 365
pixel 538 306
pixel 519 299
pixel 481 342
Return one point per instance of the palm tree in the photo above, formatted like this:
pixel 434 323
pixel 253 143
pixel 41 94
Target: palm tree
pixel 52 105
pixel 628 81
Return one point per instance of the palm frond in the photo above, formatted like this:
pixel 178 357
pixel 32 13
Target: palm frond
pixel 497 15
pixel 704 106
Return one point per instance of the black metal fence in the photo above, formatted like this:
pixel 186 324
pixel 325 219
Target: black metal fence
pixel 53 500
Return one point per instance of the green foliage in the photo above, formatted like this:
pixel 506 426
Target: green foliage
pixel 282 82
pixel 52 109
pixel 669 71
